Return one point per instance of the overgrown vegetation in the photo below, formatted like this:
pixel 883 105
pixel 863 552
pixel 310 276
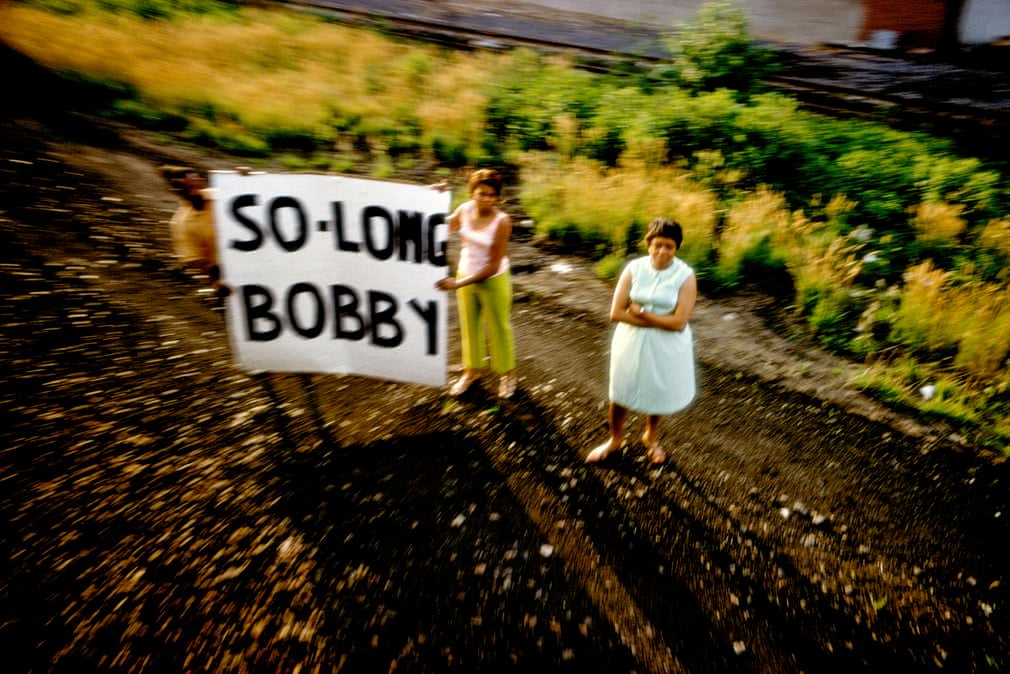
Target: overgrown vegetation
pixel 890 244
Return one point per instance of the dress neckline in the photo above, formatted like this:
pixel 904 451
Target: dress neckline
pixel 673 265
pixel 473 217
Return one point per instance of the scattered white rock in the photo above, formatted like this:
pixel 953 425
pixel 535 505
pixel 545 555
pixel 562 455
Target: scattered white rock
pixel 739 647
pixel 458 521
pixel 546 550
pixel 927 392
pixel 861 233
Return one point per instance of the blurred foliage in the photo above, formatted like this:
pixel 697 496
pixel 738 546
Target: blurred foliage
pixel 892 246
pixel 146 9
pixel 716 51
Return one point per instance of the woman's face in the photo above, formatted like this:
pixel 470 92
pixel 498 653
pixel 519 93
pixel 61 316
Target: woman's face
pixel 485 198
pixel 192 183
pixel 662 251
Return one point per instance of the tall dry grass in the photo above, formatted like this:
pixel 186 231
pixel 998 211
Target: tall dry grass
pixel 996 236
pixel 264 70
pixel 751 224
pixel 612 206
pixel 921 320
pixel 972 320
pixel 939 221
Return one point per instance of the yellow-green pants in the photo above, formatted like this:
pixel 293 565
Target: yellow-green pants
pixel 488 301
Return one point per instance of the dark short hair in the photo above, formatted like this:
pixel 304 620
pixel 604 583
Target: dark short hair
pixel 665 228
pixel 174 175
pixel 488 177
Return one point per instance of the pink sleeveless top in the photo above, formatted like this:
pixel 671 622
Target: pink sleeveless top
pixel 475 250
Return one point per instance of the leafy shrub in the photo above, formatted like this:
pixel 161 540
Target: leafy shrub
pixel 526 98
pixel 610 266
pixel 715 51
pixel 449 153
pixel 302 139
pixel 145 9
pixel 606 135
pixel 144 115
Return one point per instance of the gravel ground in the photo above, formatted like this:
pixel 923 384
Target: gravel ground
pixel 167 512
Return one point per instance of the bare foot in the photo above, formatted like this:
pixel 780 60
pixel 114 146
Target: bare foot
pixel 603 451
pixel 654 451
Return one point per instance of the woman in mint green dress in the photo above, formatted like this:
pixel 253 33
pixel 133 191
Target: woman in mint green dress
pixel 652 352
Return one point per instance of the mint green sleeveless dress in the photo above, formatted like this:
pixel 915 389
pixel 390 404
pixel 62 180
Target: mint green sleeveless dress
pixel 652 370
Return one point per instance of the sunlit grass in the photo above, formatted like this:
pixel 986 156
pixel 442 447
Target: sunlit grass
pixel 265 71
pixel 610 207
pixel 996 236
pixel 939 221
pixel 750 227
pixel 972 319
pixel 976 408
pixel 921 319
pixel 983 344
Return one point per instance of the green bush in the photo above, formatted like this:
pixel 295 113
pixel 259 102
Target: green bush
pixel 616 113
pixel 833 317
pixel 282 139
pixel 715 51
pixel 147 116
pixel 448 152
pixel 147 9
pixel 610 267
pixel 526 100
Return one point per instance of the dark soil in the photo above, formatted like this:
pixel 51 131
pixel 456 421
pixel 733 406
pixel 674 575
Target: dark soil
pixel 166 512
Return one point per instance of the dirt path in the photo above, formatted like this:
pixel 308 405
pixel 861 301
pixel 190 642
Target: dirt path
pixel 166 512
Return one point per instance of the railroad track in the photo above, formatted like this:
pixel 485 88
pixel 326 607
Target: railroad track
pixel 971 106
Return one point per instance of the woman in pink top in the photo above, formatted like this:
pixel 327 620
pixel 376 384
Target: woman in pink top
pixel 483 284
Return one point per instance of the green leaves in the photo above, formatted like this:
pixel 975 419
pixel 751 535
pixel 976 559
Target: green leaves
pixel 715 50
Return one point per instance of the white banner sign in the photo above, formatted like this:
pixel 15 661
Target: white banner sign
pixel 334 274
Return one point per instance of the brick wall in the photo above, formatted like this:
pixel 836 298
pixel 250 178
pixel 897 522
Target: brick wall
pixel 919 23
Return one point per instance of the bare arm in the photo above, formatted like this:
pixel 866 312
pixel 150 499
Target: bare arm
pixel 676 321
pixel 620 306
pixel 454 219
